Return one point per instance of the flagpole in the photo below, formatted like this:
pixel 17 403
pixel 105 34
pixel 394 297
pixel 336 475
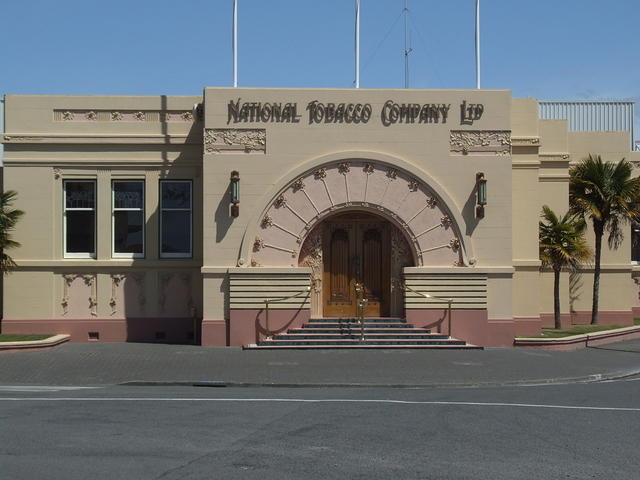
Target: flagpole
pixel 357 43
pixel 407 48
pixel 478 44
pixel 235 43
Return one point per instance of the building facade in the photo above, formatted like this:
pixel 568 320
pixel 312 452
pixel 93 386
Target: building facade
pixel 174 218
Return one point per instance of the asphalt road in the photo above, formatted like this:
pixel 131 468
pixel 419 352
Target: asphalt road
pixel 576 431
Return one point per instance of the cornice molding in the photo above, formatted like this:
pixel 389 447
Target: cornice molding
pixel 159 139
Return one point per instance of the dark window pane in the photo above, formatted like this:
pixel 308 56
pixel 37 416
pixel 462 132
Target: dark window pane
pixel 128 237
pixel 80 232
pixel 176 232
pixel 176 195
pixel 127 194
pixel 80 194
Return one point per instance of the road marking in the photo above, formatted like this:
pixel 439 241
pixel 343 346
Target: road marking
pixel 323 400
pixel 40 388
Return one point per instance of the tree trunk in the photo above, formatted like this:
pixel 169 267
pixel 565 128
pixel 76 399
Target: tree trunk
pixel 598 228
pixel 556 297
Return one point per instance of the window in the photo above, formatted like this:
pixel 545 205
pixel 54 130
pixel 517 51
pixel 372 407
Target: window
pixel 635 242
pixel 128 218
pixel 175 218
pixel 79 218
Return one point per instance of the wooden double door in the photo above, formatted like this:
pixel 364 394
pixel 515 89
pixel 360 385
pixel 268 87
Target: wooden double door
pixel 356 249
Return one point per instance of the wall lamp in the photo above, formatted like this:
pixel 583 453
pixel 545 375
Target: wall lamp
pixel 235 193
pixel 481 192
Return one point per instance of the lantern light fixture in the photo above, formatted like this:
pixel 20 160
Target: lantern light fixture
pixel 481 194
pixel 235 193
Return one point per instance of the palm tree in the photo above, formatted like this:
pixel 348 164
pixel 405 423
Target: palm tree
pixel 8 219
pixel 606 193
pixel 562 245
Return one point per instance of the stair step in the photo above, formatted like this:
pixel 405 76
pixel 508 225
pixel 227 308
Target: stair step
pixel 360 347
pixel 353 331
pixel 364 342
pixel 355 320
pixel 356 335
pixel 397 326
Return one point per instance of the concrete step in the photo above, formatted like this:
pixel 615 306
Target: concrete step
pixel 356 326
pixel 272 346
pixel 356 335
pixel 353 331
pixel 355 320
pixel 366 341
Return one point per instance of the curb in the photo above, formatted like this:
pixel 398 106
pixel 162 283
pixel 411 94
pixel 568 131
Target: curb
pixel 593 378
pixel 34 345
pixel 574 342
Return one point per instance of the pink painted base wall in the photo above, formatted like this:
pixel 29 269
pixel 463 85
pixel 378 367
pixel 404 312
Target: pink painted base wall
pixel 160 330
pixel 249 326
pixel 583 317
pixel 528 326
pixel 472 326
pixel 215 333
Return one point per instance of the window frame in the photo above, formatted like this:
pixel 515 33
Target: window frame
pixel 115 254
pixel 67 254
pixel 162 210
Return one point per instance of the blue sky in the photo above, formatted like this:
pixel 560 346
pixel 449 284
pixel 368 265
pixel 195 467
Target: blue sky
pixel 548 49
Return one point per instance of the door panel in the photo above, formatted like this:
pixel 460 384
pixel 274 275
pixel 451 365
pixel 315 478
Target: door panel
pixel 354 251
pixel 340 255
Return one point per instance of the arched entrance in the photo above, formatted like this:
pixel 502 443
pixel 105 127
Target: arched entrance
pixel 356 247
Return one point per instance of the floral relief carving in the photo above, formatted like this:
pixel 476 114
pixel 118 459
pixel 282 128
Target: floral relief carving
pixel 368 168
pixel 116 279
pixel 392 173
pixel 186 116
pixel 56 173
pixel 320 174
pixel 165 279
pixel 116 116
pixel 91 115
pixel 413 185
pixel 185 278
pixel 446 221
pixel 140 116
pixel 298 185
pixel 67 116
pixel 280 202
pixel 432 202
pixel 454 244
pixel 258 244
pixel 267 221
pixel 344 168
pixel 217 140
pixel 311 257
pixel 465 142
pixel 138 277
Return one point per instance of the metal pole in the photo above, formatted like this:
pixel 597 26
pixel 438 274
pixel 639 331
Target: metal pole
pixel 449 315
pixel 407 50
pixel 357 43
pixel 478 44
pixel 235 43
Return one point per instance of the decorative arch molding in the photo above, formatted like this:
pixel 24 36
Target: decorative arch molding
pixel 367 181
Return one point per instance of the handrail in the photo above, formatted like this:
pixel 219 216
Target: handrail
pixel 428 295
pixel 267 301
